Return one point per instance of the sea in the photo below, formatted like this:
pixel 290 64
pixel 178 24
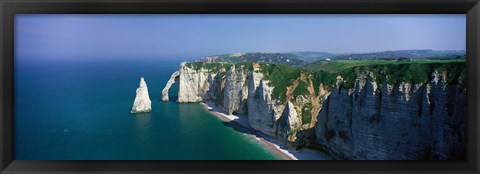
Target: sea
pixel 80 110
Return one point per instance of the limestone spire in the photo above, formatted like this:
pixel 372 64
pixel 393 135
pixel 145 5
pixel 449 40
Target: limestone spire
pixel 142 101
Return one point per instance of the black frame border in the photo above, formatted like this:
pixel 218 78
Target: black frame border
pixel 8 9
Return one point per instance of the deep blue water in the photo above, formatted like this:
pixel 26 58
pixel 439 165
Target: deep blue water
pixel 81 111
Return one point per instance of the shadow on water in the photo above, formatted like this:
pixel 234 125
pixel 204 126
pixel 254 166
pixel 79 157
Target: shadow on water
pixel 302 153
pixel 170 99
pixel 238 127
pixel 173 98
pixel 235 124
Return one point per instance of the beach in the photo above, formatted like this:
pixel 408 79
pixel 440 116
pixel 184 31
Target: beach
pixel 241 123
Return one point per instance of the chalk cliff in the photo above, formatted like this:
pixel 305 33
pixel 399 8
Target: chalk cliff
pixel 170 82
pixel 288 123
pixel 403 121
pixel 262 110
pixel 369 114
pixel 142 101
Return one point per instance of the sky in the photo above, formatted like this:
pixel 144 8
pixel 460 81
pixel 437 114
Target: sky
pixel 164 36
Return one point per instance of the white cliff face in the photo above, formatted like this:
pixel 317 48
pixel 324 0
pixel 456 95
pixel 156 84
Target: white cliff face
pixel 192 84
pixel 235 91
pixel 368 121
pixel 406 121
pixel 142 101
pixel 406 89
pixel 169 84
pixel 261 107
pixel 288 123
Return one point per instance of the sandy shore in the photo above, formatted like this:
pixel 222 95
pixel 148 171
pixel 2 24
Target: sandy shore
pixel 273 145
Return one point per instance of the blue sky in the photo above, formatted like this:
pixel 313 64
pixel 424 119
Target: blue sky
pixel 41 37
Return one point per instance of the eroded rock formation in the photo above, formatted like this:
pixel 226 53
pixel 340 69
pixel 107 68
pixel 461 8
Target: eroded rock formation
pixel 421 121
pixel 142 101
pixel 169 84
pixel 367 121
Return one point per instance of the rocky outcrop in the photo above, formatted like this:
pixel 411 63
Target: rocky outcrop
pixel 288 123
pixel 261 108
pixel 192 84
pixel 235 92
pixel 170 82
pixel 142 101
pixel 421 121
pixel 371 120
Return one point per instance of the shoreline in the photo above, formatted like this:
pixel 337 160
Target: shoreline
pixel 273 145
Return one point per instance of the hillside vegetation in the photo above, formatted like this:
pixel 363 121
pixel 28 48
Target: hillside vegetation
pixel 316 104
pixel 302 58
pixel 275 58
pixel 339 65
pixel 326 72
pixel 410 54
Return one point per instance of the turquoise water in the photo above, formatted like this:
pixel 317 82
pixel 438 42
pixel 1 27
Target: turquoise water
pixel 81 111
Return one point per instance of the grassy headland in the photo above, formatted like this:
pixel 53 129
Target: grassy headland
pixel 326 72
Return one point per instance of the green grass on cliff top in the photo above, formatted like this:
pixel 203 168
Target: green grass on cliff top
pixel 340 65
pixel 325 72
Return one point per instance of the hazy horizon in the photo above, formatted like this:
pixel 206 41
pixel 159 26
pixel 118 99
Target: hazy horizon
pixel 52 37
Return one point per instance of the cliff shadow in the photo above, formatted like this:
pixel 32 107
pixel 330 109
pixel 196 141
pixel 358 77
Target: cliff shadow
pixel 239 127
pixel 172 98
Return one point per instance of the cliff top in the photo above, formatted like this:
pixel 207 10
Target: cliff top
pixel 327 72
pixel 275 58
pixel 301 58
